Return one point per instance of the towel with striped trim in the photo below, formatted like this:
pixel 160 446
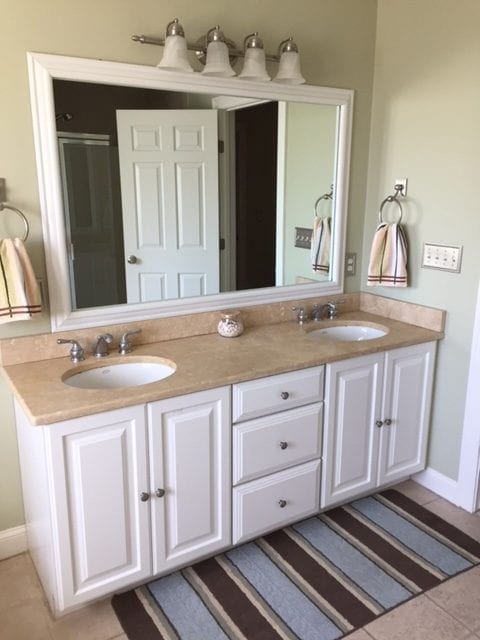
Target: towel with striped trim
pixel 388 257
pixel 19 292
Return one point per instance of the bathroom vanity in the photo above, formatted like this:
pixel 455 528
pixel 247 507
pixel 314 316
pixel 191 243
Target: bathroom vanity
pixel 274 427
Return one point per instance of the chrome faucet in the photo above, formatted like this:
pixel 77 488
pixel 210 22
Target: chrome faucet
pixel 124 345
pixel 302 316
pixel 77 352
pixel 329 309
pixel 101 348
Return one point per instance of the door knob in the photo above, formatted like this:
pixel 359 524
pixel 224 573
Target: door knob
pixel 132 259
pixel 284 395
pixel 283 445
pixel 388 422
pixel 379 423
pixel 160 493
pixel 144 496
pixel 282 503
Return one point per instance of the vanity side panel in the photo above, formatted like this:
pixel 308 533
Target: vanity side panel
pixel 36 501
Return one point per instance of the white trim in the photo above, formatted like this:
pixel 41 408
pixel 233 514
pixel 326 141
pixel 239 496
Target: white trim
pixel 281 166
pixel 440 484
pixel 13 541
pixel 469 466
pixel 43 68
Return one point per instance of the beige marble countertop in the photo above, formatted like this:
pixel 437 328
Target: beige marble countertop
pixel 202 362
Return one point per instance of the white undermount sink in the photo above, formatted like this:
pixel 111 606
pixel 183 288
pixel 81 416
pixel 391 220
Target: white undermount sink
pixel 120 374
pixel 348 332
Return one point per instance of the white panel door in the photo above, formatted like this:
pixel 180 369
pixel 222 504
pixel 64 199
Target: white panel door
pixel 99 471
pixel 352 407
pixel 169 182
pixel 191 480
pixel 406 411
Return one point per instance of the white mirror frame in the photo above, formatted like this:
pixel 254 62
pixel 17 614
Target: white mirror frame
pixel 44 68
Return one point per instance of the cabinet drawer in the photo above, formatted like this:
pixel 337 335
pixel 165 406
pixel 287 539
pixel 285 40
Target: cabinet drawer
pixel 276 500
pixel 275 442
pixel 276 393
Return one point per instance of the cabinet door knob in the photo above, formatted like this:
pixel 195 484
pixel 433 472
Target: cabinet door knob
pixel 132 259
pixel 284 395
pixel 160 493
pixel 388 421
pixel 144 496
pixel 282 503
pixel 283 445
pixel 379 423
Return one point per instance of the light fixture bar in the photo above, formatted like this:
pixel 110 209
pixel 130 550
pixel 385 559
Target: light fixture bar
pixel 233 51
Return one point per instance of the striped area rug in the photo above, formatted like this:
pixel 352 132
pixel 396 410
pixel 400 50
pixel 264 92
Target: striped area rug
pixel 319 579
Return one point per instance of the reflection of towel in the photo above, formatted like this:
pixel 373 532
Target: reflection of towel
pixel 321 240
pixel 19 294
pixel 388 257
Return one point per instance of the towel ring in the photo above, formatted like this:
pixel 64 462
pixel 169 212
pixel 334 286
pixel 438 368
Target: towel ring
pixel 325 196
pixel 4 206
pixel 394 199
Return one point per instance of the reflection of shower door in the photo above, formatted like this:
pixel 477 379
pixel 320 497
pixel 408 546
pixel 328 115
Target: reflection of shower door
pixel 89 169
pixel 169 181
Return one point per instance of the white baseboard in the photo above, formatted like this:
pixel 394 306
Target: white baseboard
pixel 442 485
pixel 13 541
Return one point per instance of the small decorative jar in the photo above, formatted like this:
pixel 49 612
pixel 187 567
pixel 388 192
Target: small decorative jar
pixel 230 325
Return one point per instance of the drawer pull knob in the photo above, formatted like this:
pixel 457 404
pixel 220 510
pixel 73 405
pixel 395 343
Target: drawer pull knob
pixel 144 496
pixel 388 421
pixel 284 395
pixel 283 445
pixel 160 493
pixel 282 503
pixel 379 423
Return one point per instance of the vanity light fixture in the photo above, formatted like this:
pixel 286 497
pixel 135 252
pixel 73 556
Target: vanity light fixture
pixel 218 53
pixel 217 56
pixel 175 51
pixel 289 67
pixel 254 67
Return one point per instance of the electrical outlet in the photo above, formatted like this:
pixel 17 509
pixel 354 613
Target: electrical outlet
pixel 350 264
pixel 440 256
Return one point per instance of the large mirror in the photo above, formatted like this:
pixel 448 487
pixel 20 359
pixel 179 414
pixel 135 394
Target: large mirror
pixel 169 193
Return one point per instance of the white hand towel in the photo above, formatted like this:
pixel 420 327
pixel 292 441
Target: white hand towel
pixel 19 294
pixel 388 257
pixel 321 242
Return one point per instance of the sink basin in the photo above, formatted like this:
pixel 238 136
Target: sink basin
pixel 349 332
pixel 120 374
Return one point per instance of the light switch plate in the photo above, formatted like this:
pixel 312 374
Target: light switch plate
pixel 441 256
pixel 303 238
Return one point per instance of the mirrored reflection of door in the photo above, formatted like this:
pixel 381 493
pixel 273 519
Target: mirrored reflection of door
pixel 169 183
pixel 91 189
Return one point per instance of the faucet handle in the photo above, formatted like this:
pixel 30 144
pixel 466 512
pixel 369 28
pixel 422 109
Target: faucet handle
pixel 124 345
pixel 77 352
pixel 301 314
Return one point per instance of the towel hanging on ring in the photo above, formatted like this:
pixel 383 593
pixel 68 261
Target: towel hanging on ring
pixel 321 243
pixel 19 292
pixel 388 257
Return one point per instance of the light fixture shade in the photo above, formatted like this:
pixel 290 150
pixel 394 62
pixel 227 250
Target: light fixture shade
pixel 254 67
pixel 175 55
pixel 289 69
pixel 218 62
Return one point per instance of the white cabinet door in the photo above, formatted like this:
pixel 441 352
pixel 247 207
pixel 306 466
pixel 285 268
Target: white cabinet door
pixel 190 469
pixel 406 411
pixel 350 447
pixel 377 411
pixel 98 472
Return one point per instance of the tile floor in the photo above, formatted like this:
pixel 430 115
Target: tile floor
pixel 451 611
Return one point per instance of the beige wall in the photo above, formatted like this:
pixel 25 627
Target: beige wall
pixel 425 126
pixel 337 39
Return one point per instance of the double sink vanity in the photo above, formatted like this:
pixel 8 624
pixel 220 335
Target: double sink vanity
pixel 239 437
